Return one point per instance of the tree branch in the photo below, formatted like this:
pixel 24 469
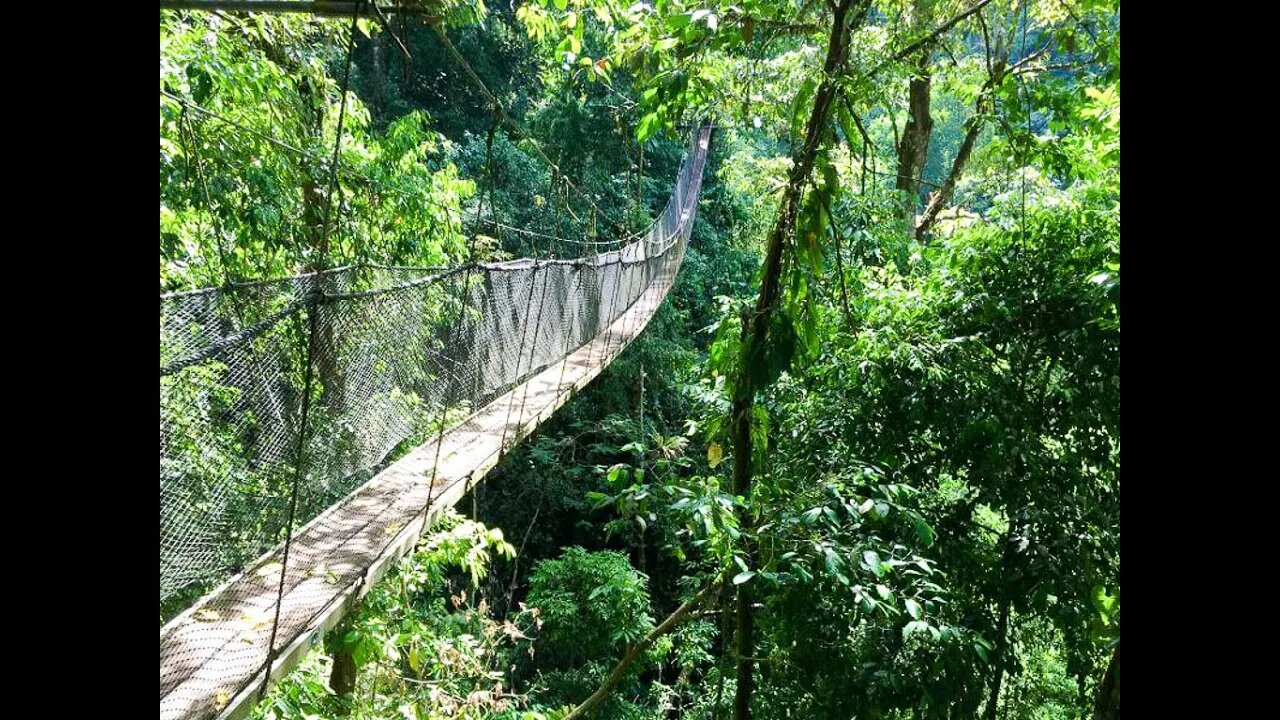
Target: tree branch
pixel 857 122
pixel 973 127
pixel 1056 66
pixel 838 235
pixel 934 35
pixel 1079 22
pixel 681 613
pixel 1030 57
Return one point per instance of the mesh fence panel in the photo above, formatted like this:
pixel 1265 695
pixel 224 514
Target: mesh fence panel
pixel 395 354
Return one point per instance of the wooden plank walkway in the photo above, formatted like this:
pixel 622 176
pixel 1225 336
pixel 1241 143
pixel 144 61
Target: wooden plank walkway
pixel 212 657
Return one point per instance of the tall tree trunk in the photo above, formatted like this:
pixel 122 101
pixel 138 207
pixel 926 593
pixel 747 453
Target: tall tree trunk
pixel 1017 524
pixel 343 673
pixel 940 197
pixel 913 147
pixel 1107 704
pixel 312 234
pixel 342 678
pixel 744 649
pixel 1002 631
pixel 755 336
pixel 972 129
pixel 315 200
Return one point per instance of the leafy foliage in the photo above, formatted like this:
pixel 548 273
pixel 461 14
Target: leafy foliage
pixel 933 530
pixel 419 651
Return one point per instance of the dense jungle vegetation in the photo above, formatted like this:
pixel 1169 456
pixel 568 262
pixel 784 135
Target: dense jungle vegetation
pixel 864 463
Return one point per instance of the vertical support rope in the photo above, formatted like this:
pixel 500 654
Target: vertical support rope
pixel 642 405
pixel 537 325
pixel 595 309
pixel 315 298
pixel 451 387
pixel 337 142
pixel 189 132
pixel 569 332
pixel 307 384
pixel 643 244
pixel 610 316
pixel 472 263
pixel 524 336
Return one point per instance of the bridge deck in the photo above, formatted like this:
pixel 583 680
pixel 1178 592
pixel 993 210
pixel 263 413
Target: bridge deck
pixel 212 660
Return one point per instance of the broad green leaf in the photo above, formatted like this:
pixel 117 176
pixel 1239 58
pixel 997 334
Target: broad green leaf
pixel 914 627
pixel 913 608
pixel 871 559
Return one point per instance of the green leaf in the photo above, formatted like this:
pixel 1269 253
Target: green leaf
pixel 913 608
pixel 743 577
pixel 982 652
pixel 832 561
pixel 616 473
pixel 648 125
pixel 925 532
pixel 871 559
pixel 800 106
pixel 851 133
pixel 914 627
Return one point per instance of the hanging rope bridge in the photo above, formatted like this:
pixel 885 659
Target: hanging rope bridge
pixel 279 399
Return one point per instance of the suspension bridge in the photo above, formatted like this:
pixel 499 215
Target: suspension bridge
pixel 280 402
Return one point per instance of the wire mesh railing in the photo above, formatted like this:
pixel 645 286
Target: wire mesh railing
pixel 394 354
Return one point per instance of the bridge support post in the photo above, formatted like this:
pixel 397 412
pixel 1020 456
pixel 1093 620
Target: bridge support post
pixel 342 678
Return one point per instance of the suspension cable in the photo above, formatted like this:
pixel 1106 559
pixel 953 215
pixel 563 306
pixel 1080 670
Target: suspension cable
pixel 545 236
pixel 309 374
pixel 497 104
pixel 472 263
pixel 188 140
pixel 350 173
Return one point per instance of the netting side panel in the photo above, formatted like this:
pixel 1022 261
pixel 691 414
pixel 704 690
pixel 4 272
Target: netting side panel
pixel 506 319
pixel 550 320
pixel 228 437
pixel 610 294
pixel 380 369
pixel 584 306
